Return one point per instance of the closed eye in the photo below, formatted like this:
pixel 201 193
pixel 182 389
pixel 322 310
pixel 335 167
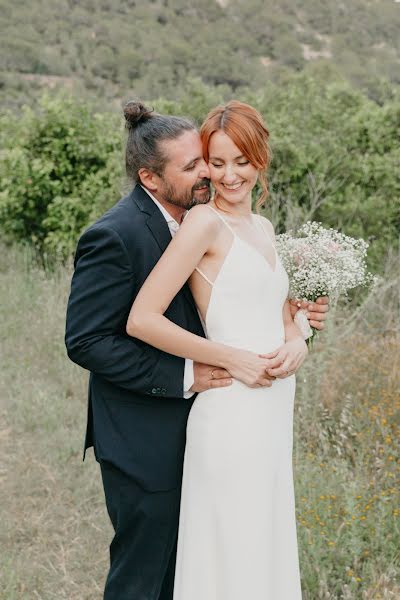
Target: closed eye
pixel 240 164
pixel 193 164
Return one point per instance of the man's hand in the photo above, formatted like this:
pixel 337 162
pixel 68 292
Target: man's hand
pixel 207 377
pixel 316 311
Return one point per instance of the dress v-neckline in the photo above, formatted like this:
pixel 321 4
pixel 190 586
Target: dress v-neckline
pixel 264 258
pixel 235 235
pixel 213 284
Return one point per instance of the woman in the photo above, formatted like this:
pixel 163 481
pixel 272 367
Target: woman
pixel 237 535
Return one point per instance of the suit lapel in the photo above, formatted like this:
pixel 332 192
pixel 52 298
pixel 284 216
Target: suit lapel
pixel 159 229
pixel 155 220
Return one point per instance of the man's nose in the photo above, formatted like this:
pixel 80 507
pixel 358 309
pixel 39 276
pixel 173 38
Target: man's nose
pixel 204 172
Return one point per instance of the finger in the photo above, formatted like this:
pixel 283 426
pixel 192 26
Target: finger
pixel 270 377
pixel 323 300
pixel 315 316
pixel 220 374
pixel 317 325
pixel 217 383
pixel 283 375
pixel 302 303
pixel 270 354
pixel 319 308
pixel 264 382
pixel 275 362
pixel 281 371
pixel 296 302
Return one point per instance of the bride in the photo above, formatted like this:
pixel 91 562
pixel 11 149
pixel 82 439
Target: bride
pixel 237 532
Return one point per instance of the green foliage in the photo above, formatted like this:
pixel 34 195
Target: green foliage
pixel 152 48
pixel 335 155
pixel 335 159
pixel 195 99
pixel 60 165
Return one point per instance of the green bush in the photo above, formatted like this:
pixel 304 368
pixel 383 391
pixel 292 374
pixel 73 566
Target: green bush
pixel 335 157
pixel 61 168
pixel 334 153
pixel 334 160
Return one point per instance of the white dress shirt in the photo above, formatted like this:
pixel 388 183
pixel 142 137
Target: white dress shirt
pixel 173 226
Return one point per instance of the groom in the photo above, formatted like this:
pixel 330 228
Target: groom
pixel 140 397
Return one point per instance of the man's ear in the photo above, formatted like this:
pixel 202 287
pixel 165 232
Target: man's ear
pixel 149 179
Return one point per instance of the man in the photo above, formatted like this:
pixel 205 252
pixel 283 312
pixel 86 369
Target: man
pixel 138 407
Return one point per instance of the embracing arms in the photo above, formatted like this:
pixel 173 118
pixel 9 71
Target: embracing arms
pixel 147 321
pixel 101 295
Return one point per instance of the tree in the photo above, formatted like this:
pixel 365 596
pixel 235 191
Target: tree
pixel 59 166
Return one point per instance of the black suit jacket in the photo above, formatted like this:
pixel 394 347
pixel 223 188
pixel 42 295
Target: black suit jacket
pixel 136 414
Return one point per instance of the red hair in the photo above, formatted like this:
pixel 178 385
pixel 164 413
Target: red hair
pixel 246 128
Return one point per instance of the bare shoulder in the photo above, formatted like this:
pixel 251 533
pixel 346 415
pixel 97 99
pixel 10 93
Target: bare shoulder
pixel 202 217
pixel 266 223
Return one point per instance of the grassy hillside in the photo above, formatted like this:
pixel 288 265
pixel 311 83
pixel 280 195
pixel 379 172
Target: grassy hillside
pixel 54 530
pixel 151 47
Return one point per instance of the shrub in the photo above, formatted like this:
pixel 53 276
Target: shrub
pixel 59 170
pixel 334 160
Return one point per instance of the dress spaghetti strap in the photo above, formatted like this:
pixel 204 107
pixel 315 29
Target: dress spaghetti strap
pixel 261 223
pixel 222 219
pixel 230 229
pixel 204 276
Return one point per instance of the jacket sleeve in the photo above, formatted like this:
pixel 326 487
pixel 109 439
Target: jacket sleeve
pixel 102 292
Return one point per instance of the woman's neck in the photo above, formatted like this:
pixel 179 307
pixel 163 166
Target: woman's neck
pixel 235 209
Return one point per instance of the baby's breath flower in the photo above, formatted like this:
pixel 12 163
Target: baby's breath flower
pixel 322 261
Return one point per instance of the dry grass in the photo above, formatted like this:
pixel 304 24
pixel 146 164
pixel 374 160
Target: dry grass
pixel 347 459
pixel 54 531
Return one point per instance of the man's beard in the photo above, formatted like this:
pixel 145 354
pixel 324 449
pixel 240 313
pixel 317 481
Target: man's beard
pixel 187 198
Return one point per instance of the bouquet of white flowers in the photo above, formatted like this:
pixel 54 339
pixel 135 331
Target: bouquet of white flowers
pixel 321 262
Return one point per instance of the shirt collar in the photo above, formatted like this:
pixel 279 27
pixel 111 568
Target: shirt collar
pixel 163 210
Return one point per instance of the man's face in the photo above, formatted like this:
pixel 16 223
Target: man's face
pixel 186 178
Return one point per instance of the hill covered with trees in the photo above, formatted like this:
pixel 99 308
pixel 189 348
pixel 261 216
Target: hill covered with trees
pixel 150 48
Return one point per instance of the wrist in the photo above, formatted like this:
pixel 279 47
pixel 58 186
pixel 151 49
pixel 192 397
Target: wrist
pixel 294 336
pixel 292 332
pixel 226 359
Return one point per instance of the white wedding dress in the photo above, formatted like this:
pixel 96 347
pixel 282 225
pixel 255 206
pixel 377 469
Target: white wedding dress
pixel 237 533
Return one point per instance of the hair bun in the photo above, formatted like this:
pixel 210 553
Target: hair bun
pixel 135 113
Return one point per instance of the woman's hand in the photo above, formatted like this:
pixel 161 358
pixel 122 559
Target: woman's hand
pixel 290 355
pixel 252 369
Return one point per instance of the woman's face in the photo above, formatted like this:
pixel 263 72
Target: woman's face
pixel 232 175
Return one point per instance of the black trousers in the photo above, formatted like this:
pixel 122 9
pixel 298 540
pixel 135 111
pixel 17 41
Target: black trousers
pixel 143 550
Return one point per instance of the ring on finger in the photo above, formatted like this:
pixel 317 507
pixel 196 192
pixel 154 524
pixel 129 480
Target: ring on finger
pixel 212 373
